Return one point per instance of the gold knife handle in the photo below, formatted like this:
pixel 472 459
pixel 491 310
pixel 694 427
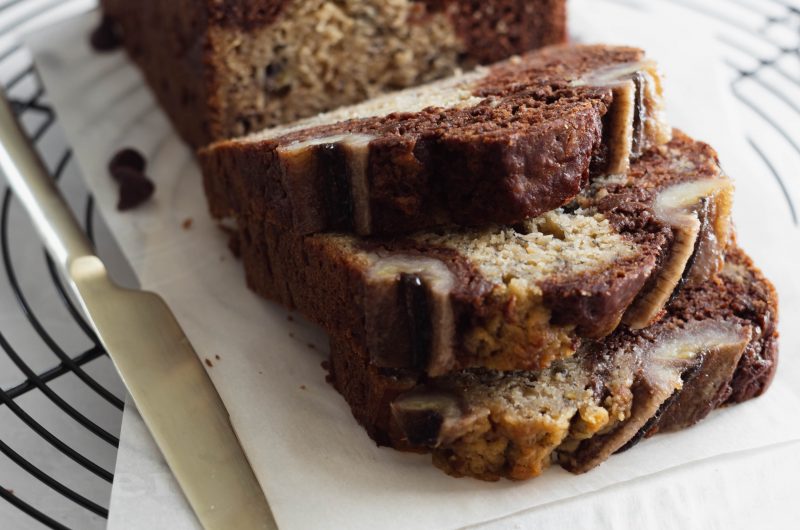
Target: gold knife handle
pixel 33 186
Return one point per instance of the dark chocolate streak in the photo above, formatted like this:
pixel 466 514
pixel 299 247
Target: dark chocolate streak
pixel 415 294
pixel 598 164
pixel 423 428
pixel 332 163
pixel 639 114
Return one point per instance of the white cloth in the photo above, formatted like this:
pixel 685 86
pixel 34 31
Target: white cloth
pixel 316 465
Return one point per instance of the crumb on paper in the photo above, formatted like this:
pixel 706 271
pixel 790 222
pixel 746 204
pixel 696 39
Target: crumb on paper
pixel 290 318
pixel 209 363
pixel 107 36
pixel 127 167
pixel 127 158
pixel 135 189
pixel 303 387
pixel 312 346
pixel 291 335
pixel 187 223
pixel 217 357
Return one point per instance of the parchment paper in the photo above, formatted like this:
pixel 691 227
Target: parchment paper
pixel 316 465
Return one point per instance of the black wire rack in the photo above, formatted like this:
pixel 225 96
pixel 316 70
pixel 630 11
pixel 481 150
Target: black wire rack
pixel 58 444
pixel 53 361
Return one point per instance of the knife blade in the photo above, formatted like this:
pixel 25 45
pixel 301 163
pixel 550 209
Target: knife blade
pixel 155 359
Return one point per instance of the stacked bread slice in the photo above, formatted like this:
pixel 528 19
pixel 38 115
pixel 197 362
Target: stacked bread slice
pixel 497 145
pixel 517 266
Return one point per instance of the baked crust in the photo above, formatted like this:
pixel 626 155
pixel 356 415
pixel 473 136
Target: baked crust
pixel 194 53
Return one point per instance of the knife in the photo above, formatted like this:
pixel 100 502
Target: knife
pixel 152 354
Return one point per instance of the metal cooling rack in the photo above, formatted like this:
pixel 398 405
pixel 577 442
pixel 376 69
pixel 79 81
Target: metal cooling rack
pixel 61 401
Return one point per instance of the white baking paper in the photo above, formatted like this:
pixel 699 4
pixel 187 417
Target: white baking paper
pixel 316 465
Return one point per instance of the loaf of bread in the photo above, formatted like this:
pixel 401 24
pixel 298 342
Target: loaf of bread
pixel 716 346
pixel 224 68
pixel 497 145
pixel 518 265
pixel 509 298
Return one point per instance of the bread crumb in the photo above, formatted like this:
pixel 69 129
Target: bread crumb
pixel 209 363
pixel 290 318
pixel 217 357
pixel 303 387
pixel 312 346
pixel 187 223
pixel 291 335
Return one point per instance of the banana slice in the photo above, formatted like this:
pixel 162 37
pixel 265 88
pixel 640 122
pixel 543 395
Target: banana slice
pixel 636 118
pixel 666 392
pixel 699 214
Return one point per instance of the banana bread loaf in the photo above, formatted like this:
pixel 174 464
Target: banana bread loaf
pixel 497 145
pixel 509 298
pixel 716 346
pixel 223 68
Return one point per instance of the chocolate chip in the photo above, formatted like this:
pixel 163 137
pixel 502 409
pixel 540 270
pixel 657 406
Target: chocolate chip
pixel 274 69
pixel 134 188
pixel 521 229
pixel 127 159
pixel 107 36
pixel 274 80
pixel 282 92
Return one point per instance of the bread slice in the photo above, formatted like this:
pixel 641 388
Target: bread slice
pixel 717 345
pixel 508 298
pixel 497 145
pixel 224 68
